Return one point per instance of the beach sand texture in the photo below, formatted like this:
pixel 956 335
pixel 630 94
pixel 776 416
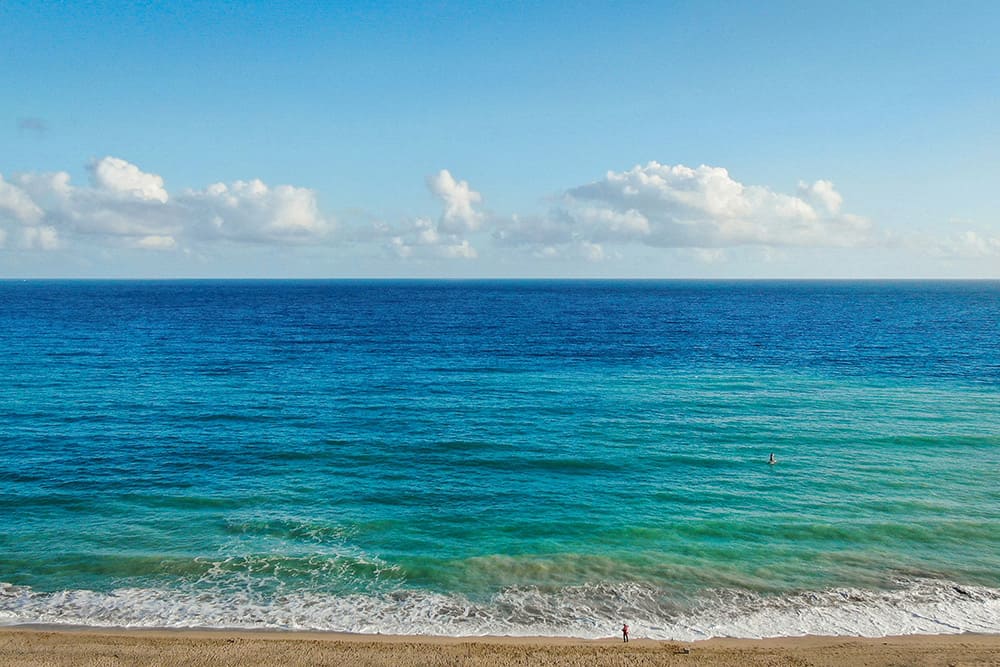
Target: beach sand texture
pixel 91 648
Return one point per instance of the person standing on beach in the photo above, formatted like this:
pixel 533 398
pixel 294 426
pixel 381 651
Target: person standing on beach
pixel 624 632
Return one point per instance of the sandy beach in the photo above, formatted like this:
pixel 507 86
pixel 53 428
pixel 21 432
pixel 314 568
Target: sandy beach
pixel 39 647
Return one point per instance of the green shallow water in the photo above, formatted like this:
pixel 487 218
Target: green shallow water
pixel 501 458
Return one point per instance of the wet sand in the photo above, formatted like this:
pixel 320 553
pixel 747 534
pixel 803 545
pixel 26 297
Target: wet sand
pixel 37 647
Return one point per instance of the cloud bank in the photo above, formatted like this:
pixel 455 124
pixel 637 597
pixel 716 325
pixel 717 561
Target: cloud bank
pixel 701 213
pixel 124 205
pixel 675 206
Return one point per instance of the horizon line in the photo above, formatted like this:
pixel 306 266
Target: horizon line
pixel 493 279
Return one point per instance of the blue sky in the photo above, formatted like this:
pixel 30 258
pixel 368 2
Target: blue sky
pixel 467 140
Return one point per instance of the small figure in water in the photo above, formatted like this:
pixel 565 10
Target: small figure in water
pixel 624 632
pixel 771 460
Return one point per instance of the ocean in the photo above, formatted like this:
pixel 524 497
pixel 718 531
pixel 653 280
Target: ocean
pixel 502 457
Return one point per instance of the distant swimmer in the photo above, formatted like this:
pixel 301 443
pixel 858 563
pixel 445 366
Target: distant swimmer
pixel 624 632
pixel 771 460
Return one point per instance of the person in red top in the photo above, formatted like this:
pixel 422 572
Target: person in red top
pixel 624 632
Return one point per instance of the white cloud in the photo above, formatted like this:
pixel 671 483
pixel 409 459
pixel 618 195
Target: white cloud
pixel 422 239
pixel 592 252
pixel 113 174
pixel 770 255
pixel 254 211
pixel 445 238
pixel 48 190
pixel 156 242
pixel 42 238
pixel 966 245
pixel 459 200
pixel 702 214
pixel 575 252
pixel 680 206
pixel 609 224
pixel 556 228
pixel 710 255
pixel 15 203
pixel 97 212
pixel 822 193
pixel 24 219
pixel 547 252
pixel 461 250
pixel 130 207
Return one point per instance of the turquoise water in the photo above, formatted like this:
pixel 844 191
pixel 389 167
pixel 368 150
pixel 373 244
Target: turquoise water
pixel 502 457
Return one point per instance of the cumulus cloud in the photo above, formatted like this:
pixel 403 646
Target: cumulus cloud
pixel 254 211
pixel 680 206
pixel 445 238
pixel 115 175
pixel 22 220
pixel 821 193
pixel 702 214
pixel 127 205
pixel 16 205
pixel 675 206
pixel 460 214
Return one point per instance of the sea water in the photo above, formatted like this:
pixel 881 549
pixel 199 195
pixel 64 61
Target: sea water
pixel 506 457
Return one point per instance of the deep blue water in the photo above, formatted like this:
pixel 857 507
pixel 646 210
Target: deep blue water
pixel 526 457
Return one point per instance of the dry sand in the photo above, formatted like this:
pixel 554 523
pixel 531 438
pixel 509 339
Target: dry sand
pixel 90 648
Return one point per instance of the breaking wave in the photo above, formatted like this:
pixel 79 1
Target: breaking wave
pixel 915 606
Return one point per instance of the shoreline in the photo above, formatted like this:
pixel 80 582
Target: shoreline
pixel 38 644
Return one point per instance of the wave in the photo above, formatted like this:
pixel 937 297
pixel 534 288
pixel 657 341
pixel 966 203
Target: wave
pixel 915 606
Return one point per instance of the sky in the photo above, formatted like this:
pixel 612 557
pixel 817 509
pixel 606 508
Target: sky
pixel 473 140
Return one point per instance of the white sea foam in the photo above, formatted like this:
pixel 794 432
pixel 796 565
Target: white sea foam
pixel 916 607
